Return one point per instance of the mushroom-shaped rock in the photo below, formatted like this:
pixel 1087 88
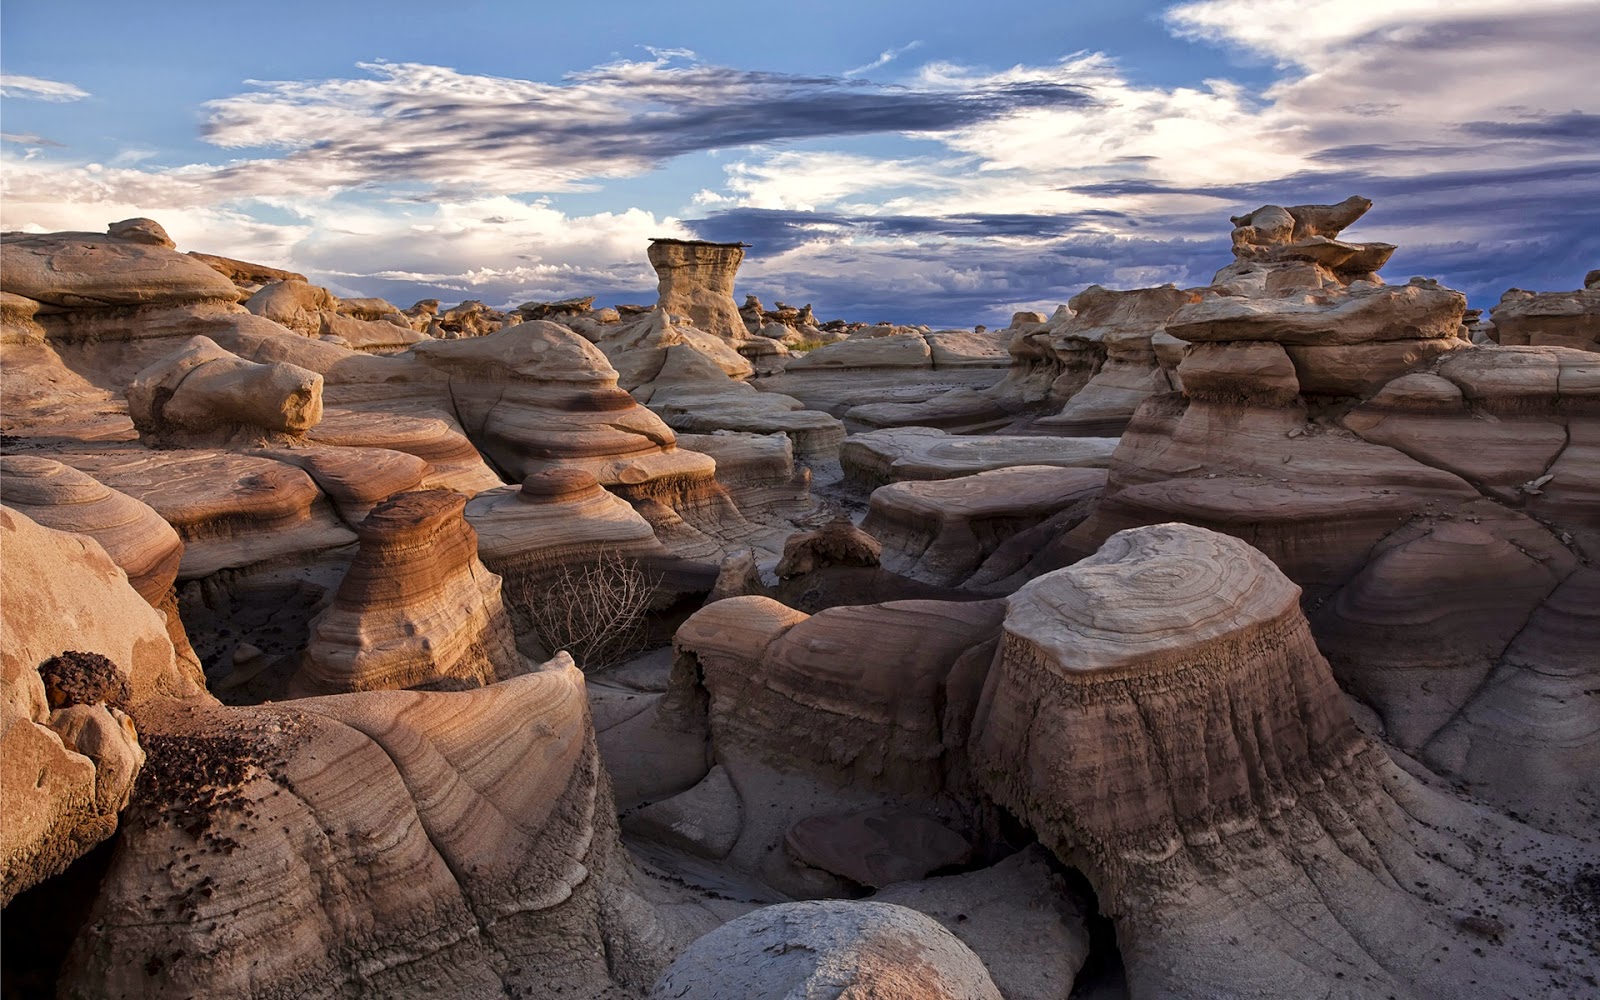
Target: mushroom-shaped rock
pixel 832 947
pixel 470 834
pixel 695 279
pixel 203 394
pixel 1159 715
pixel 416 607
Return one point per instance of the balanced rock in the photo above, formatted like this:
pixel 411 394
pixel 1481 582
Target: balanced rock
pixel 696 280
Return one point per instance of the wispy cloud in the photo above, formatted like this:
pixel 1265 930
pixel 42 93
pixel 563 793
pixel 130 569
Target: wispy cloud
pixel 39 89
pixel 28 139
pixel 885 57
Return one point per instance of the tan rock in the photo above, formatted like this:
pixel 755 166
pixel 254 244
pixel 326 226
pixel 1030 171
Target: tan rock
pixel 416 608
pixel 473 832
pixel 244 273
pixel 294 304
pixel 204 395
pixel 696 281
pixel 897 454
pixel 88 270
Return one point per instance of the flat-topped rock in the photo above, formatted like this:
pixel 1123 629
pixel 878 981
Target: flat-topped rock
pixel 895 454
pixel 941 531
pixel 93 271
pixel 695 279
pixel 231 510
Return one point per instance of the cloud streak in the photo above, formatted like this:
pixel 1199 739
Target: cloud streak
pixel 885 57
pixel 39 89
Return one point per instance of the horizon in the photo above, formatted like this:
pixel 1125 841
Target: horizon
pixel 947 168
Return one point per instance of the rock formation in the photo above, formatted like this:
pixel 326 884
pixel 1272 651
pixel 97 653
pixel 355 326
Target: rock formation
pixel 898 454
pixel 203 395
pixel 473 832
pixel 416 608
pixel 829 947
pixel 1549 319
pixel 1160 716
pixel 696 281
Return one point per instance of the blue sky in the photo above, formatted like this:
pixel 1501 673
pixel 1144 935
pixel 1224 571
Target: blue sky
pixel 934 162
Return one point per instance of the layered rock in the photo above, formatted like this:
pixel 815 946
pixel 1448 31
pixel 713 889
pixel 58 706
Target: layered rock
pixel 473 833
pixel 203 395
pixel 416 609
pixel 696 280
pixel 1549 319
pixel 1160 716
pixel 942 531
pixel 556 518
pixel 898 454
pixel 836 947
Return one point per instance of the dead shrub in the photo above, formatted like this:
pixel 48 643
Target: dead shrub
pixel 595 612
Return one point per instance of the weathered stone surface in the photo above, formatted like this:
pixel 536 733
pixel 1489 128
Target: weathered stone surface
pixel 696 280
pixel 835 947
pixel 705 820
pixel 203 395
pixel 416 608
pixel 1549 319
pixel 877 847
pixel 1160 716
pixel 1363 314
pixel 896 454
pixel 473 830
pixel 941 531
pixel 89 270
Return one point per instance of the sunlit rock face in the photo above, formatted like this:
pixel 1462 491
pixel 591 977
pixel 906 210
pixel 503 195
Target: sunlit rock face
pixel 82 652
pixel 416 608
pixel 696 280
pixel 1160 716
pixel 203 395
pixel 471 836
pixel 1550 319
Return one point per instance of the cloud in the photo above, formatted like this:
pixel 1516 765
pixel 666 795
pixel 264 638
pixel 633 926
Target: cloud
pixel 39 89
pixel 444 130
pixel 1473 125
pixel 28 139
pixel 885 57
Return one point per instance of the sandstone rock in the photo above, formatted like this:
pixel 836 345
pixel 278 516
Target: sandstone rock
pixel 837 543
pixel 58 496
pixel 141 231
pixel 942 531
pixel 858 694
pixel 1184 744
pixel 416 608
pixel 63 592
pixel 230 510
pixel 86 270
pixel 705 820
pixel 294 304
pixel 908 350
pixel 1362 315
pixel 1550 319
pixel 696 280
pixel 877 847
pixel 897 454
pixel 473 830
pixel 204 395
pixel 1019 917
pixel 835 947
pixel 244 273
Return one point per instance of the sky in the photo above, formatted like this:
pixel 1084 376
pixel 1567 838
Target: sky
pixel 943 162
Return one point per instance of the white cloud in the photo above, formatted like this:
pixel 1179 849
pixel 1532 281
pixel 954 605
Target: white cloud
pixel 885 57
pixel 39 89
